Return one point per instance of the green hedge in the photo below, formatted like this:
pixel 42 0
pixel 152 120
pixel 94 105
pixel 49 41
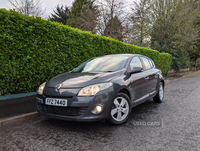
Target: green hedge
pixel 32 50
pixel 165 60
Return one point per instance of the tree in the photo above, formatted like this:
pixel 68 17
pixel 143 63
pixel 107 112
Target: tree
pixel 162 34
pixel 145 13
pixel 188 27
pixel 79 8
pixel 61 14
pixel 113 14
pixel 164 28
pixel 175 31
pixel 162 7
pixel 193 49
pixel 174 21
pixel 193 52
pixel 88 20
pixel 114 29
pixel 141 21
pixel 28 7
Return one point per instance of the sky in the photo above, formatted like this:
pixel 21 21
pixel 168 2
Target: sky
pixel 48 4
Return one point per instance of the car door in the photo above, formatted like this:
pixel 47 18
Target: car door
pixel 155 80
pixel 138 84
pixel 150 74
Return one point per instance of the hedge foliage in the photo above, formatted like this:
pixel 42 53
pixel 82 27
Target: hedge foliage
pixel 33 50
pixel 165 60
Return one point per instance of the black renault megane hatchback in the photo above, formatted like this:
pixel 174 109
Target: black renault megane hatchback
pixel 105 87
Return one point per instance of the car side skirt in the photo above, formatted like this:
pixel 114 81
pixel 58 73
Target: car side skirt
pixel 144 99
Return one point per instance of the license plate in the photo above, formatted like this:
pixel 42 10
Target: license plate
pixel 56 102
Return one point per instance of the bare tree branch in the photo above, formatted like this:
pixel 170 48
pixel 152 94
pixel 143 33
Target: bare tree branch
pixel 111 11
pixel 28 7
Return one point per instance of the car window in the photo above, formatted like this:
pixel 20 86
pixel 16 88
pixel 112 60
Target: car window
pixel 103 64
pixel 146 63
pixel 135 62
pixel 150 63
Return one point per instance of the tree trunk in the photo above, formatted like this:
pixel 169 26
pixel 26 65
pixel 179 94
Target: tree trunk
pixel 195 68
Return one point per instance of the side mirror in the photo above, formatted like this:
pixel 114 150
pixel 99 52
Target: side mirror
pixel 136 70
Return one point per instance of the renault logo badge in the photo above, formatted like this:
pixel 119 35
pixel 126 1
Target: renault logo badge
pixel 58 87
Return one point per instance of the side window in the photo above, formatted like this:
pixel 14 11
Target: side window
pixel 146 63
pixel 150 63
pixel 135 62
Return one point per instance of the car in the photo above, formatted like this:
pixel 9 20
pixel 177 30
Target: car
pixel 102 88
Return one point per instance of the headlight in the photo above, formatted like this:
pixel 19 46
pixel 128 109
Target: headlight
pixel 93 89
pixel 41 88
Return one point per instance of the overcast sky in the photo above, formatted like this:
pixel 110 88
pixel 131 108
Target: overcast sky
pixel 48 4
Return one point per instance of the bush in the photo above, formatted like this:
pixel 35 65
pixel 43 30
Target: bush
pixel 165 60
pixel 176 65
pixel 33 50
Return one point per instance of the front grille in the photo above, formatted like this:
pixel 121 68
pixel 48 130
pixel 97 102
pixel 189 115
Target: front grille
pixel 66 111
pixel 62 97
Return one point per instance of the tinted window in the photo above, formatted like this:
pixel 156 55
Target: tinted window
pixel 146 63
pixel 107 63
pixel 135 62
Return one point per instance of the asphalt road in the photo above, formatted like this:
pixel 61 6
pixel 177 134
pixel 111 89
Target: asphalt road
pixel 172 125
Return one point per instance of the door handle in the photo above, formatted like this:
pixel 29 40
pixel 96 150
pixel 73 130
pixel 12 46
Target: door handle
pixel 147 78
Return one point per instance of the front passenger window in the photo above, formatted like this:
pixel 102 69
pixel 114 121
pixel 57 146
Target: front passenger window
pixel 135 62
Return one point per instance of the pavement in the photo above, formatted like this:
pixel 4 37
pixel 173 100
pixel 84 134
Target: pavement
pixel 17 104
pixel 171 125
pixel 167 80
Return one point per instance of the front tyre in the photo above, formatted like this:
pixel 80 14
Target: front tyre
pixel 160 94
pixel 120 110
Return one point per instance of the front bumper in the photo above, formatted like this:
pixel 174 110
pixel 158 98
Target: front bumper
pixel 79 108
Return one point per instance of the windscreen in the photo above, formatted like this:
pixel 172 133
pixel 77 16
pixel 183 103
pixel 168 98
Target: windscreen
pixel 103 64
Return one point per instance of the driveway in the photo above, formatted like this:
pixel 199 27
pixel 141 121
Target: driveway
pixel 172 125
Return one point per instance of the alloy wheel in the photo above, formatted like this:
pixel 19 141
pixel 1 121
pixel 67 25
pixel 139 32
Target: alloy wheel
pixel 161 92
pixel 120 109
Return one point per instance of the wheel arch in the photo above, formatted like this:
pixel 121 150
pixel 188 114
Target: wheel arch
pixel 163 82
pixel 126 91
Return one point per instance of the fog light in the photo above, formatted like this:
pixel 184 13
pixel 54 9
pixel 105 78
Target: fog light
pixel 97 109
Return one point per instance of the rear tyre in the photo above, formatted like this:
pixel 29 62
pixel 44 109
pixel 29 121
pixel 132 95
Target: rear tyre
pixel 120 110
pixel 160 94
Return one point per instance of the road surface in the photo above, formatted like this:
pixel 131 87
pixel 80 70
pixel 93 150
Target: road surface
pixel 172 125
